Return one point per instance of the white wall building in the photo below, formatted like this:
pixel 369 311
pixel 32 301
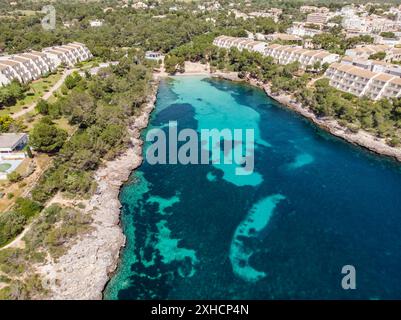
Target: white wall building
pixel 32 65
pixel 283 54
pixel 96 23
pixel 240 43
pixel 374 65
pixel 17 70
pixel 68 54
pixel 317 18
pixel 365 51
pixel 10 142
pixel 4 77
pixel 369 24
pixel 309 9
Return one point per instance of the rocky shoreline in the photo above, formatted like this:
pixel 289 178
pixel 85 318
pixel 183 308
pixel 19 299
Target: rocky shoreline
pixel 83 272
pixel 361 138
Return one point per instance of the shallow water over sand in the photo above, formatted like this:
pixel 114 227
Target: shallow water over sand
pixel 313 204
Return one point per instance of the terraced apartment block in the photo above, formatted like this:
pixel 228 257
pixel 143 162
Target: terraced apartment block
pixel 32 65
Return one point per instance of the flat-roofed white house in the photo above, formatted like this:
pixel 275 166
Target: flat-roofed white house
pixel 12 142
pixel 68 54
pixel 96 23
pixel 11 152
pixel 302 29
pixel 39 63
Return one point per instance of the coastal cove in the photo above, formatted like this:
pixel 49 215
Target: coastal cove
pixel 314 204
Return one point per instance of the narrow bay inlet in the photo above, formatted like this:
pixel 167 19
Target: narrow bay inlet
pixel 313 204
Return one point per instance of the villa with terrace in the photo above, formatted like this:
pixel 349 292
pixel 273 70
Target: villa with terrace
pixel 11 152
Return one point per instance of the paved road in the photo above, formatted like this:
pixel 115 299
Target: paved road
pixel 47 95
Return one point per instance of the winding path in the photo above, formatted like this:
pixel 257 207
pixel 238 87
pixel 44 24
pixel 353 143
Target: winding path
pixel 47 95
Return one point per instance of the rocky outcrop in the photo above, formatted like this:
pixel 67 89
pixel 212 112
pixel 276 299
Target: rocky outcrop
pixel 84 270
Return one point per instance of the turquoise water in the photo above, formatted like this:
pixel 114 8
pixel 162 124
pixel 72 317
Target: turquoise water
pixel 312 205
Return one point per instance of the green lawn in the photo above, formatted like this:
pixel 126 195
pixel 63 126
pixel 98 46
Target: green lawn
pixel 85 65
pixel 36 91
pixel 4 167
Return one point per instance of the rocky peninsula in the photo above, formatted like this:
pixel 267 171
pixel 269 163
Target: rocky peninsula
pixel 85 269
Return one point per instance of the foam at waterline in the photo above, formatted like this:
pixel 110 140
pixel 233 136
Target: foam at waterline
pixel 256 220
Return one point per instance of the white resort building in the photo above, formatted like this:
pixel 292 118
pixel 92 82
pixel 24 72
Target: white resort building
pixel 290 54
pixel 32 65
pixel 317 18
pixel 16 70
pixel 11 152
pixel 359 76
pixel 365 78
pixel 302 29
pixel 154 55
pixel 283 54
pixel 240 43
pixel 7 74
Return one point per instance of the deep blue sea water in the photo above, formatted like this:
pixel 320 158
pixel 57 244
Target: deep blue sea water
pixel 313 204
